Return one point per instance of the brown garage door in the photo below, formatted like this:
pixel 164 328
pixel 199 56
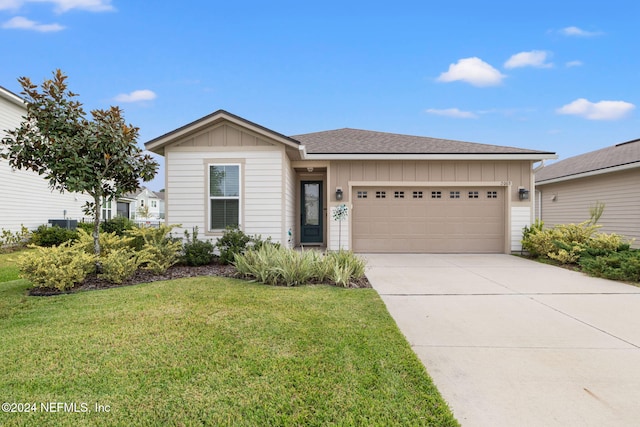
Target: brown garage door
pixel 428 220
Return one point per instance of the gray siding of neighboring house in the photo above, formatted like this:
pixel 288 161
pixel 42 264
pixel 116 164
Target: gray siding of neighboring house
pixel 569 202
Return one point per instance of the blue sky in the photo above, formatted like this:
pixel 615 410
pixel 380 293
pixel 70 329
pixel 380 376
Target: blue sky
pixel 559 76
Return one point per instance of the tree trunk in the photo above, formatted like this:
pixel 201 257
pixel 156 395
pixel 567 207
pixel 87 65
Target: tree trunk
pixel 96 232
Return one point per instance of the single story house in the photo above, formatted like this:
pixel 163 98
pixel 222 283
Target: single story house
pixel 569 188
pixel 402 193
pixel 25 196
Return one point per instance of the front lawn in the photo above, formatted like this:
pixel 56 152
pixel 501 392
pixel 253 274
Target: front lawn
pixel 210 351
pixel 8 269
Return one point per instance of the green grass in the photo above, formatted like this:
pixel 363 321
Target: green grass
pixel 8 269
pixel 211 351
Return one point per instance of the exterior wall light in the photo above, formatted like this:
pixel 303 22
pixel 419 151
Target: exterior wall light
pixel 523 194
pixel 338 193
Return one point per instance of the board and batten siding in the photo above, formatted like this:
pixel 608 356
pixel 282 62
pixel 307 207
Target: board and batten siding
pixel 425 172
pixel 569 202
pixel 261 189
pixel 25 197
pixel 518 172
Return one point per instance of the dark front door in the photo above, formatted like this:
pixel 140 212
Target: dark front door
pixel 311 208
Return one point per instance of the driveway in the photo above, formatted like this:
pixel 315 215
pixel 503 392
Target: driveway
pixel 512 342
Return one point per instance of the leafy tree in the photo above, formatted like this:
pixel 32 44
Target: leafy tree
pixel 97 156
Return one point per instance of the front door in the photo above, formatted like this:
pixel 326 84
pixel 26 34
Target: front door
pixel 311 208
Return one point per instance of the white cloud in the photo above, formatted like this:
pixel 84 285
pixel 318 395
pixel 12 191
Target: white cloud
pixel 452 112
pixel 473 71
pixel 62 6
pixel 10 4
pixel 534 58
pixel 603 110
pixel 136 96
pixel 573 64
pixel 22 23
pixel 578 32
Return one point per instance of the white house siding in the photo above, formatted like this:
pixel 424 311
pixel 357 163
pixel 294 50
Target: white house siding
pixel 520 218
pixel 25 197
pixel 261 194
pixel 289 202
pixel 569 202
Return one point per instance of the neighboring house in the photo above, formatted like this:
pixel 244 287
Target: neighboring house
pixel 403 193
pixel 141 204
pixel 126 206
pixel 25 197
pixel 160 195
pixel 569 188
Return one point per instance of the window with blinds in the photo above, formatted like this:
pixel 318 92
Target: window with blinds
pixel 224 196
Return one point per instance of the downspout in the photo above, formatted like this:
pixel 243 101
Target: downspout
pixel 538 193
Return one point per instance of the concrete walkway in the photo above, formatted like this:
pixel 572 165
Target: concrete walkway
pixel 512 342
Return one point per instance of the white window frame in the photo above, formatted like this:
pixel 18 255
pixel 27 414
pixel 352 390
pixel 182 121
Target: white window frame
pixel 210 197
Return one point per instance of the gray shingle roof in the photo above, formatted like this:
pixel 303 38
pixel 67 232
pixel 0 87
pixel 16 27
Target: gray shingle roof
pixel 356 141
pixel 609 157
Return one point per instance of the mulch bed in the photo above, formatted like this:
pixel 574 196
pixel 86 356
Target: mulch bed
pixel 92 282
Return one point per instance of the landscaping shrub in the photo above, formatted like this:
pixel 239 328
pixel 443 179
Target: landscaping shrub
pixel 598 254
pixel 197 252
pixel 119 225
pixel 564 243
pixel 274 265
pixel 59 267
pixel 345 266
pixel 623 265
pixel 86 226
pixel 108 242
pixel 119 264
pixel 159 251
pixel 234 241
pixel 527 237
pixel 12 240
pixel 52 236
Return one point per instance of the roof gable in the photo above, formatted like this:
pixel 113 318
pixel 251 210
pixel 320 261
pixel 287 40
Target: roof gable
pixel 602 161
pixel 216 118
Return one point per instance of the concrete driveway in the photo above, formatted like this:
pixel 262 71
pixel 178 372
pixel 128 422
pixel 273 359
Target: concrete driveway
pixel 511 342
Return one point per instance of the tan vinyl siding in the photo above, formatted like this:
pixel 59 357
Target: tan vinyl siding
pixel 619 191
pixel 25 197
pixel 223 135
pixel 262 179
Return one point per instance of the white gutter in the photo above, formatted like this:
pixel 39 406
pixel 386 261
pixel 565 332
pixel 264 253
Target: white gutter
pixel 11 97
pixel 591 173
pixel 537 168
pixel 303 152
pixel 448 156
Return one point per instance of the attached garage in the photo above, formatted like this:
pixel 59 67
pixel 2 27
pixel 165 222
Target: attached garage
pixel 352 189
pixel 429 219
